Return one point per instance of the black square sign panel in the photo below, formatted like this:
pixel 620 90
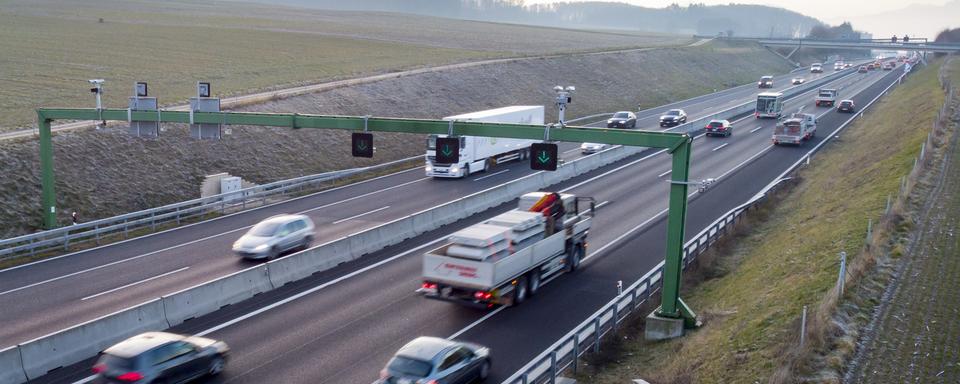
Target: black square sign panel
pixel 448 150
pixel 543 157
pixel 362 144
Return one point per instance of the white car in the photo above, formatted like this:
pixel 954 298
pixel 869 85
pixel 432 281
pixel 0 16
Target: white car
pixel 275 235
pixel 816 68
pixel 797 80
pixel 588 148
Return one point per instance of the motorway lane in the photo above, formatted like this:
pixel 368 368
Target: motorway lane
pixel 110 278
pixel 351 331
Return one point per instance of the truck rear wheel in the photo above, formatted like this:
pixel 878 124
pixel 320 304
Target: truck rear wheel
pixel 534 282
pixel 520 291
pixel 574 258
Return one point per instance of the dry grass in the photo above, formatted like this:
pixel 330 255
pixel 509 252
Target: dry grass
pixel 790 259
pixel 52 47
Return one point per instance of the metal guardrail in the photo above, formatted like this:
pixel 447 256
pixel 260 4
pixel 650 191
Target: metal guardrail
pixel 587 336
pixel 256 196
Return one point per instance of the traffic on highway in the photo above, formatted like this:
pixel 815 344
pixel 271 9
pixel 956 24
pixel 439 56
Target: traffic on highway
pixel 369 320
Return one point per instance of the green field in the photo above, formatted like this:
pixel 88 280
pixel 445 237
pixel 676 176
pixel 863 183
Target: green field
pixel 50 48
pixel 758 282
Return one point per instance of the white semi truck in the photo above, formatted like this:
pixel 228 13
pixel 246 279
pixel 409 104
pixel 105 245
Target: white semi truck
pixel 769 104
pixel 505 259
pixel 480 153
pixel 796 129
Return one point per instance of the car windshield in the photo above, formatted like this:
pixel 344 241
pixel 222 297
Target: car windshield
pixel 673 112
pixel 409 367
pixel 715 124
pixel 621 115
pixel 267 228
pixel 845 103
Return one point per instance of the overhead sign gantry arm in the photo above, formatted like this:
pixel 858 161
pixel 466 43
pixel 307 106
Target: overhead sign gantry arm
pixel 679 145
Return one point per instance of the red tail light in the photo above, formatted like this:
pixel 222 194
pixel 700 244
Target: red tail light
pixel 130 376
pixel 99 368
pixel 481 295
pixel 429 285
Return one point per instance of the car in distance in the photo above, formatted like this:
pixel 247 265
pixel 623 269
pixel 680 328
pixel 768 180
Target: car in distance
pixel 718 128
pixel 862 69
pixel 871 67
pixel 274 236
pixel 797 80
pixel 161 357
pixel 673 117
pixel 889 66
pixel 816 68
pixel 434 360
pixel 846 106
pixel 588 148
pixel 765 82
pixel 622 119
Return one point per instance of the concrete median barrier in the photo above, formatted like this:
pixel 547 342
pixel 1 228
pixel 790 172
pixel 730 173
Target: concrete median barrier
pixel 303 264
pixel 11 368
pixel 210 296
pixel 86 340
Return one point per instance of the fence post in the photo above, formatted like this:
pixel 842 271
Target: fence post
pixel 803 325
pixel 576 352
pixel 869 230
pixel 886 211
pixel 616 313
pixel 843 272
pixel 553 367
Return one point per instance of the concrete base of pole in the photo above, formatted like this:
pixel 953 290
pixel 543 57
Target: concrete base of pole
pixel 662 328
pixel 565 380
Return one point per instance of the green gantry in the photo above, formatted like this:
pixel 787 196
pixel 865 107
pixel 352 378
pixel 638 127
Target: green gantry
pixel 678 144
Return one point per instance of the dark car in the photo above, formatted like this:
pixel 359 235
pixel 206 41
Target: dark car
pixel 673 117
pixel 161 357
pixel 718 128
pixel 436 360
pixel 846 106
pixel 765 82
pixel 622 119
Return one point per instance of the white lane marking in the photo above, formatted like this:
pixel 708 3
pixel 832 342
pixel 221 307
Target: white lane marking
pixel 571 151
pixel 207 221
pixel 492 174
pixel 669 171
pixel 194 241
pixel 721 146
pixel 756 129
pixel 360 215
pixel 475 323
pixel 135 283
pixel 603 203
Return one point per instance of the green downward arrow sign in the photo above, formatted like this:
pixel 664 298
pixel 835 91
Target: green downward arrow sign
pixel 544 157
pixel 447 151
pixel 362 145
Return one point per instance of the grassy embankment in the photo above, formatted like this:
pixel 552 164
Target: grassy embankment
pixel 52 47
pixel 787 257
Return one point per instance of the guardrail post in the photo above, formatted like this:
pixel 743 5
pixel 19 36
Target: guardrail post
pixel 553 367
pixel 596 335
pixel 66 240
pixel 178 215
pixel 96 233
pixel 576 352
pixel 633 299
pixel 124 228
pixel 616 314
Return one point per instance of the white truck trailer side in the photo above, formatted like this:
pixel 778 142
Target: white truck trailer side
pixel 826 97
pixel 505 259
pixel 479 153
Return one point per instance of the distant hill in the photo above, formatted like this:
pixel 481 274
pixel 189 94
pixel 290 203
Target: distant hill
pixel 738 19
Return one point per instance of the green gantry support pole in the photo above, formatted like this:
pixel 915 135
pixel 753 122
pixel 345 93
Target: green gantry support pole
pixel 670 304
pixel 47 181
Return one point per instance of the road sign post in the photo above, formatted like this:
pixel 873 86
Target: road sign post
pixel 679 145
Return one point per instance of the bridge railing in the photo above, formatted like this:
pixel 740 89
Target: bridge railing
pixel 564 354
pixel 121 227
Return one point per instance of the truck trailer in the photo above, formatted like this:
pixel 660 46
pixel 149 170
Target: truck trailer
pixel 480 153
pixel 769 104
pixel 826 97
pixel 505 259
pixel 796 129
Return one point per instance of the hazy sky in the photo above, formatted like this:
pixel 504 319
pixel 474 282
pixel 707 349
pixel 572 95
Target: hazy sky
pixel 830 11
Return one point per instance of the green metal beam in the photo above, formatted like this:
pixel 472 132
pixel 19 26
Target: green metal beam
pixel 679 145
pixel 670 304
pixel 47 182
pixel 377 124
